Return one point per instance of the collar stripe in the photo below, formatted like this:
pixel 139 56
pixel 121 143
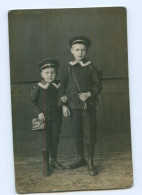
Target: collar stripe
pixel 80 62
pixel 47 85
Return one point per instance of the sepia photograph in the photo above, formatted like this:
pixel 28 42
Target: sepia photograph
pixel 70 99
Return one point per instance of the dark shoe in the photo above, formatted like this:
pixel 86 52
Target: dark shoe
pixel 91 169
pixel 80 162
pixel 46 170
pixel 90 163
pixel 46 167
pixel 56 165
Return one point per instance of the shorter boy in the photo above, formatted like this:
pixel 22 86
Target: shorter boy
pixel 44 101
pixel 81 83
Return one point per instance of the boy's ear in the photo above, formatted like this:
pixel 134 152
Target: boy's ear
pixel 71 50
pixel 56 70
pixel 41 74
pixel 86 49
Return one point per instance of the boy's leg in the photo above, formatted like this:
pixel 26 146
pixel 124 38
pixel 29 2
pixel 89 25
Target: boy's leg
pixel 45 146
pixel 89 128
pixel 76 123
pixel 56 129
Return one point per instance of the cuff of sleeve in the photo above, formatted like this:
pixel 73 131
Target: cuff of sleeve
pixel 62 103
pixel 89 94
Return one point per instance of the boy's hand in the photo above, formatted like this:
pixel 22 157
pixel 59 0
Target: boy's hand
pixel 41 117
pixel 64 98
pixel 84 96
pixel 66 111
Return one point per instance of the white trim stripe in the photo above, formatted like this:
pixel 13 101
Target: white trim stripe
pixel 47 65
pixel 79 40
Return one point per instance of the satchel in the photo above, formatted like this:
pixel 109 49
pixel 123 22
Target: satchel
pixel 37 124
pixel 92 103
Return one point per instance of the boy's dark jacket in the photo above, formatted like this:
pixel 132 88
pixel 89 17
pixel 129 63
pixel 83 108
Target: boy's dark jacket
pixel 88 78
pixel 44 99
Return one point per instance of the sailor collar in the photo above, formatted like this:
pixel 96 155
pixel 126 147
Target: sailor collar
pixel 45 86
pixel 72 63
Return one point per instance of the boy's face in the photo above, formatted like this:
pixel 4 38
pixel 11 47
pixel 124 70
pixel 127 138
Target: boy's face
pixel 49 74
pixel 79 51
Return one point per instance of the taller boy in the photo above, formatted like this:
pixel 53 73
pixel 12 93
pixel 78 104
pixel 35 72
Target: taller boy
pixel 81 83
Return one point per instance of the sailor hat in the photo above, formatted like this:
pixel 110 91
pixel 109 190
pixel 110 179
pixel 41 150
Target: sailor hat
pixel 80 39
pixel 48 63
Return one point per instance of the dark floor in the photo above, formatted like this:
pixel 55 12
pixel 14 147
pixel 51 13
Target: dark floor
pixel 115 171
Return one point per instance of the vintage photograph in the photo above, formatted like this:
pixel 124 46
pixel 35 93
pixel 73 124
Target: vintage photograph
pixel 70 99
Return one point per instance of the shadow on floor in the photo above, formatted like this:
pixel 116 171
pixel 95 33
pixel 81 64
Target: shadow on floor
pixel 114 171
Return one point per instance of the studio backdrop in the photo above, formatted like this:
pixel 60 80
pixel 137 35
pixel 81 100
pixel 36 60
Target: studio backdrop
pixel 38 34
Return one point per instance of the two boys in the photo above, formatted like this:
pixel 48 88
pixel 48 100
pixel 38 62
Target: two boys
pixel 80 84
